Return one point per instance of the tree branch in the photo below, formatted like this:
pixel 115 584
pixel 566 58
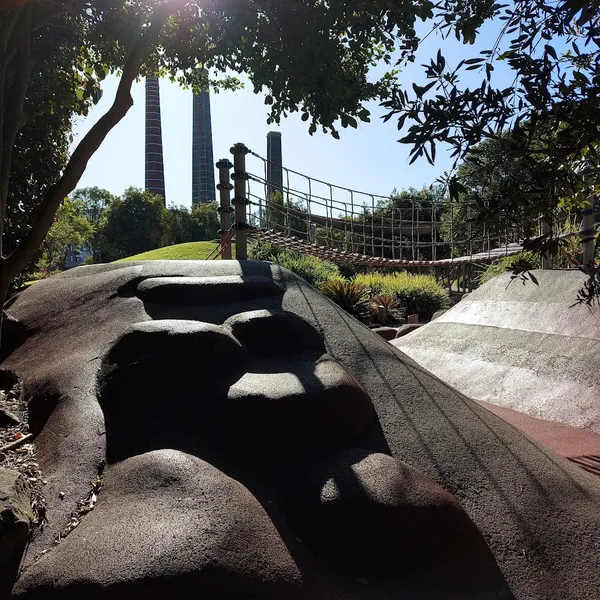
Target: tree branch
pixel 60 9
pixel 14 118
pixel 23 254
pixel 48 17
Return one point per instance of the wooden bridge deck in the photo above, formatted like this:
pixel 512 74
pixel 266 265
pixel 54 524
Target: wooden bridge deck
pixel 332 254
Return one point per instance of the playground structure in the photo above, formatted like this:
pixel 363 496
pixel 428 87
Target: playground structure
pixel 298 400
pixel 340 224
pixel 522 347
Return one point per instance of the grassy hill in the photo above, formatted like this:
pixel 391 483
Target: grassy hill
pixel 187 251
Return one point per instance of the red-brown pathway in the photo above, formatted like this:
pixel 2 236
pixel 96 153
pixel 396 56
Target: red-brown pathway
pixel 578 445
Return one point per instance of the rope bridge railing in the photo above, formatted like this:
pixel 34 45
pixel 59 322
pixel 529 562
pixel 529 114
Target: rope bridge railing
pixel 309 215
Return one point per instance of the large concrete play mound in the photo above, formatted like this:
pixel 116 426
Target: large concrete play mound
pixel 260 443
pixel 524 347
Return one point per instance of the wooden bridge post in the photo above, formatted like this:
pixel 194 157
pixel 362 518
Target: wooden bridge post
pixel 224 186
pixel 546 257
pixel 587 235
pixel 240 201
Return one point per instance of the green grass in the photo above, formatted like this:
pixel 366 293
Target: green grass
pixel 187 251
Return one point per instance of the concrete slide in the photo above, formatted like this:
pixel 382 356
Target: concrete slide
pixel 520 346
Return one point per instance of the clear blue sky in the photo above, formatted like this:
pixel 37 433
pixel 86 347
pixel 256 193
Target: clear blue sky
pixel 369 158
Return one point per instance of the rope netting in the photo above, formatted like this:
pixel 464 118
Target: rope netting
pixel 337 223
pixel 219 249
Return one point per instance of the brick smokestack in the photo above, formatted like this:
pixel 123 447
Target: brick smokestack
pixel 155 168
pixel 203 165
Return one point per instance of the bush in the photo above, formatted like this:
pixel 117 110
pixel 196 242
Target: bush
pixel 263 251
pixel 373 281
pixel 310 268
pixel 390 303
pixel 528 260
pixel 349 295
pixel 43 274
pixel 417 294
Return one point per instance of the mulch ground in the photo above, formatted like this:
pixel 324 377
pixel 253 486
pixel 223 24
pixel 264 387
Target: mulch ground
pixel 21 458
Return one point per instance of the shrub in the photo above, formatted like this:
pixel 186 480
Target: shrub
pixel 348 270
pixel 349 295
pixel 43 273
pixel 312 269
pixel 373 281
pixel 420 294
pixel 529 260
pixel 570 253
pixel 263 251
pixel 390 303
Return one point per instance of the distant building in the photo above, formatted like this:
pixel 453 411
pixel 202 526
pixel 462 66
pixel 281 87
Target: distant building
pixel 274 164
pixel 154 165
pixel 76 256
pixel 203 167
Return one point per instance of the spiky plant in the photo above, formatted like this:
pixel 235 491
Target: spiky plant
pixel 351 296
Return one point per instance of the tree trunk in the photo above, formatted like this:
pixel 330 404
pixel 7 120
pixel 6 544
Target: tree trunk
pixel 12 265
pixel 13 111
pixel 24 253
pixel 5 39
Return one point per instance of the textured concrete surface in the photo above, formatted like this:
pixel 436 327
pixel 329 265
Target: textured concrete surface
pixel 523 347
pixel 402 435
pixel 202 535
pixel 406 329
pixel 379 518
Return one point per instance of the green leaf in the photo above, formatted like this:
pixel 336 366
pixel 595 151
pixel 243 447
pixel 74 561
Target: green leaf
pixel 550 51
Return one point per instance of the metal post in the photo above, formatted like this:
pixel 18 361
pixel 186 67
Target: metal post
pixel 546 257
pixel 470 230
pixel 225 209
pixel 587 236
pixel 239 177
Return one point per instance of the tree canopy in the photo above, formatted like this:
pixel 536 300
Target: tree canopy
pixel 70 228
pixel 311 56
pixel 548 113
pixel 551 48
pixel 95 201
pixel 112 227
pixel 130 225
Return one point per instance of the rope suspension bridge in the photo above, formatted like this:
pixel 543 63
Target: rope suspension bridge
pixel 294 211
